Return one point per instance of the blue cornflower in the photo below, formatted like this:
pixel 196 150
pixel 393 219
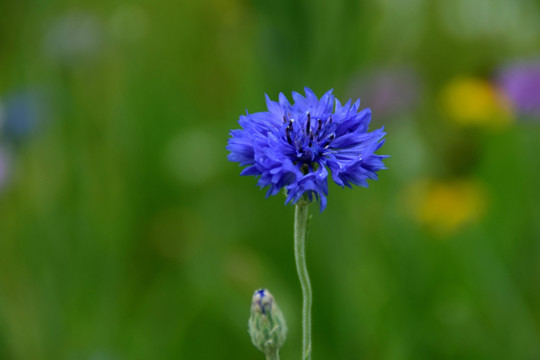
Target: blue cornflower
pixel 295 146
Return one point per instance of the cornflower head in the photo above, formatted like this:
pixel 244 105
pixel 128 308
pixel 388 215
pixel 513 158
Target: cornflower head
pixel 297 146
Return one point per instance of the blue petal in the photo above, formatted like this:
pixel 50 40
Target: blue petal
pixel 273 106
pixel 299 101
pixel 310 96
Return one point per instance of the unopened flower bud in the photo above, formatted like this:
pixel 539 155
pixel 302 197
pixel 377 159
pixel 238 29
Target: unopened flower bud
pixel 267 326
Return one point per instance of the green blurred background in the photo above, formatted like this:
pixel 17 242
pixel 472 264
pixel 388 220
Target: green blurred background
pixel 126 234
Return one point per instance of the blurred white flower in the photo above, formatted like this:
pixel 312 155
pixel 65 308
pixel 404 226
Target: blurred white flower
pixel 515 22
pixel 74 38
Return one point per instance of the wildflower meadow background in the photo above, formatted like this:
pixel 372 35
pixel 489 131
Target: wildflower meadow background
pixel 126 234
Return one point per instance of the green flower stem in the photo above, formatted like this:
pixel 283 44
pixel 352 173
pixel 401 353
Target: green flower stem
pixel 300 235
pixel 273 356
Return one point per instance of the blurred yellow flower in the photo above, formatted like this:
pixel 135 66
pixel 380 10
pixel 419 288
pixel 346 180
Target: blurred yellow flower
pixel 445 207
pixel 471 101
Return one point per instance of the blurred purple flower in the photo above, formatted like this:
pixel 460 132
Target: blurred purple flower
pixel 521 83
pixel 388 91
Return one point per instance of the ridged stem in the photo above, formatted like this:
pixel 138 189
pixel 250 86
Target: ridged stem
pixel 300 235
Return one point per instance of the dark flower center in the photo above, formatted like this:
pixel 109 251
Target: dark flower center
pixel 310 141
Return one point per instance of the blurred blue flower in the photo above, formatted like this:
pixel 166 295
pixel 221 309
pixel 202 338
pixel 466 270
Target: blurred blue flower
pixel 521 83
pixel 4 167
pixel 22 112
pixel 294 146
